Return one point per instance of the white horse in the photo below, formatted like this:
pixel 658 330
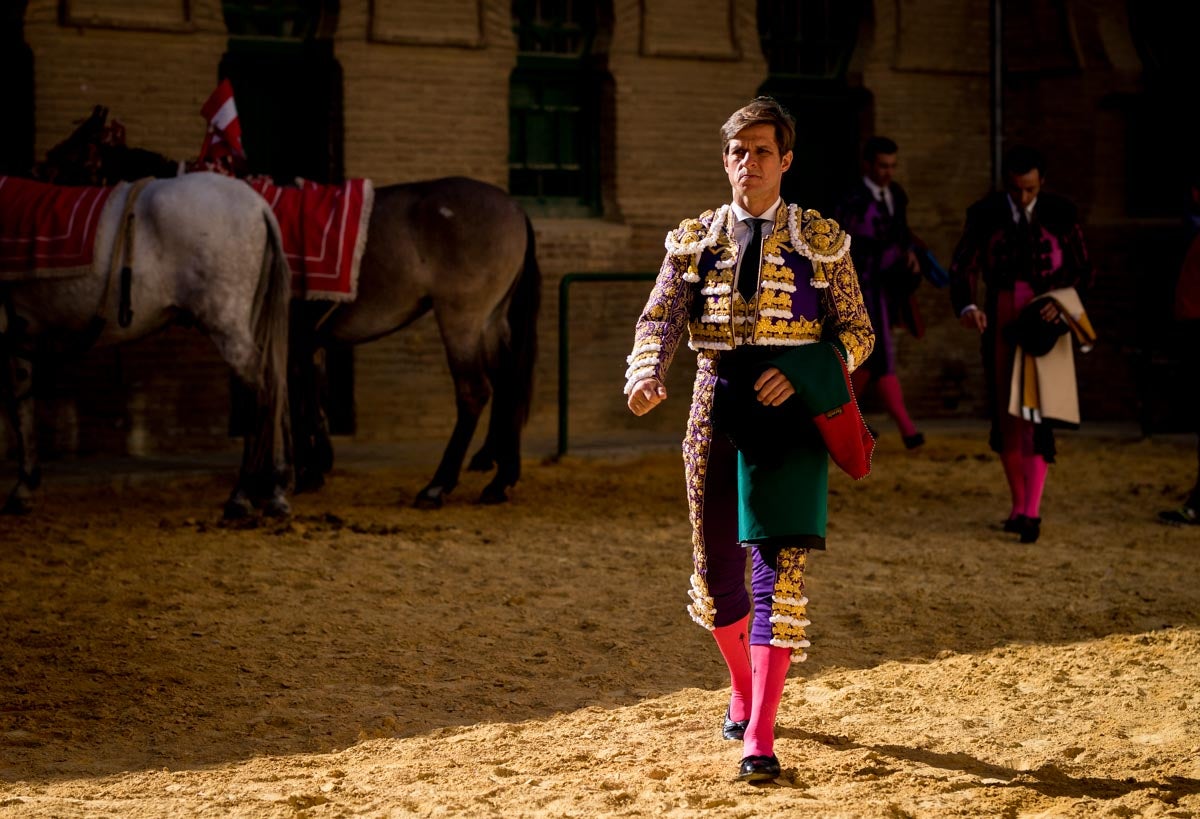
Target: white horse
pixel 205 248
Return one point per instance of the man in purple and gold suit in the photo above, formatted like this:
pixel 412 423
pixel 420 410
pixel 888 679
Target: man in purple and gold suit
pixel 767 294
pixel 875 214
pixel 1021 243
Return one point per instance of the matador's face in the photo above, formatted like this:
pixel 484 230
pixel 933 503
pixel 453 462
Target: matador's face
pixel 754 165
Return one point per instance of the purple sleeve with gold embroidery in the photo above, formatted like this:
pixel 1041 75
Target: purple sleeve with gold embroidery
pixel 845 308
pixel 662 324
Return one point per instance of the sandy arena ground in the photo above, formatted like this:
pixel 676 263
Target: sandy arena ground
pixel 369 659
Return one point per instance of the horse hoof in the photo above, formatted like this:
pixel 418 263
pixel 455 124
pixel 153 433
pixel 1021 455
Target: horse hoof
pixel 277 507
pixel 492 494
pixel 431 497
pixel 238 507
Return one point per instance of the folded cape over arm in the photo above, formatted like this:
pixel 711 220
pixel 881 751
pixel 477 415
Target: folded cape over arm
pixel 824 395
pixel 821 379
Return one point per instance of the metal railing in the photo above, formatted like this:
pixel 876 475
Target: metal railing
pixel 564 342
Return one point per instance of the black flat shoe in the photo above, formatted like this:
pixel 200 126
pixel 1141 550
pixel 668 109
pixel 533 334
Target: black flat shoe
pixel 732 729
pixel 758 769
pixel 1030 530
pixel 913 441
pixel 1183 516
pixel 1015 525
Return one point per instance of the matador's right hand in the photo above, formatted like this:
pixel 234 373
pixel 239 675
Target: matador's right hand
pixel 646 395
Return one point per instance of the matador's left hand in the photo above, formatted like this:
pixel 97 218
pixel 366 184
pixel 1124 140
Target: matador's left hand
pixel 773 388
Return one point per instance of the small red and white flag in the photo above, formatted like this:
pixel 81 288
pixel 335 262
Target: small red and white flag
pixel 224 135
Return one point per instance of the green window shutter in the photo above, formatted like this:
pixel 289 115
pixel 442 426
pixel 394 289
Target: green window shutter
pixel 553 108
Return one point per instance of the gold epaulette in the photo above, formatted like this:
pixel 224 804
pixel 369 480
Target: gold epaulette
pixel 824 238
pixel 695 235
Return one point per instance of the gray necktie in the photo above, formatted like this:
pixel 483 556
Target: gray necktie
pixel 752 260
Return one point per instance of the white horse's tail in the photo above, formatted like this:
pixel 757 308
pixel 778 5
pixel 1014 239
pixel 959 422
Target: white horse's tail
pixel 269 319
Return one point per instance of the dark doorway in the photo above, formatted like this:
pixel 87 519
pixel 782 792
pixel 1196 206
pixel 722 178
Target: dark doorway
pixel 1161 167
pixel 16 92
pixel 288 86
pixel 808 45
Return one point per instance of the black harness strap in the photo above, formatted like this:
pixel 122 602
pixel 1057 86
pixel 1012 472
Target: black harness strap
pixel 122 260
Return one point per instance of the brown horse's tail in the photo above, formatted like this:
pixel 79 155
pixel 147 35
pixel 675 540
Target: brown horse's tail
pixel 512 378
pixel 269 319
pixel 522 323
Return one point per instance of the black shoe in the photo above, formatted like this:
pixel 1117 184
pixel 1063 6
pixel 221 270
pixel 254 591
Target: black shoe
pixel 758 769
pixel 1030 529
pixel 913 441
pixel 1015 525
pixel 1184 515
pixel 732 729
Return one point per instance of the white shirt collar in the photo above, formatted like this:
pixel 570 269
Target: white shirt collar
pixel 880 193
pixel 1016 211
pixel 741 214
pixel 876 190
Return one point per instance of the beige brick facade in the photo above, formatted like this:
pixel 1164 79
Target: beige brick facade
pixel 426 95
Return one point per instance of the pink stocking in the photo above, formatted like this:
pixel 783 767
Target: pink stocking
pixel 893 401
pixel 734 642
pixel 1035 468
pixel 770 673
pixel 1015 473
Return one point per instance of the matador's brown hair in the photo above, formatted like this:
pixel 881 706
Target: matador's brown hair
pixel 761 111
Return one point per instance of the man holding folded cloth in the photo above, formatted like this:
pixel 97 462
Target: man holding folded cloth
pixel 1026 247
pixel 769 297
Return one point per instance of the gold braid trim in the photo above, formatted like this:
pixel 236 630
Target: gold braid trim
pixel 789 616
pixel 696 453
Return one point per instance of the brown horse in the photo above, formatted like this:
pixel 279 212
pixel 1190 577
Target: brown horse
pixel 464 250
pixel 455 246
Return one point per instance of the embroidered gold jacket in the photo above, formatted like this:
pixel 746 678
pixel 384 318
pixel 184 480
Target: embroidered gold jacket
pixel 807 291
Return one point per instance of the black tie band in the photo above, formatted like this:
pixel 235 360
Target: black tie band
pixel 747 282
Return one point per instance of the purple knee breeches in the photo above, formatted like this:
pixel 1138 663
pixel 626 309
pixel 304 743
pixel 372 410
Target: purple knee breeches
pixel 726 557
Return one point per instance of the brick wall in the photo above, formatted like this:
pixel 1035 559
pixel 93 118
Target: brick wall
pixel 430 99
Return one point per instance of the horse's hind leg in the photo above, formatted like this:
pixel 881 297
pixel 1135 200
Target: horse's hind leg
pixel 18 374
pixel 257 476
pixel 502 445
pixel 472 391
pixel 313 449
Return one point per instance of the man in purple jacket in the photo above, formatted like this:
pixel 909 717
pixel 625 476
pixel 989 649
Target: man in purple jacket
pixel 875 214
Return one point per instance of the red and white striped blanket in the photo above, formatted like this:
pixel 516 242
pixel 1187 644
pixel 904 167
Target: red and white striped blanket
pixel 324 231
pixel 47 231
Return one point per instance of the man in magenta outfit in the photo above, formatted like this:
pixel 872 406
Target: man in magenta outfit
pixel 1021 242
